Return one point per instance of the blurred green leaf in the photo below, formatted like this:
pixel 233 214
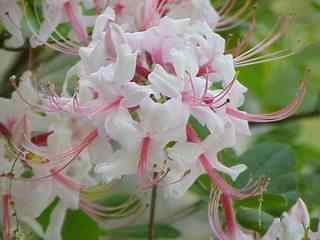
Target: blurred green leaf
pixel 141 232
pixel 274 204
pixel 79 226
pixel 273 160
pixel 254 219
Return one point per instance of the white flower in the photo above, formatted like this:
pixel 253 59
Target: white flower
pixel 293 225
pixel 185 159
pixel 143 143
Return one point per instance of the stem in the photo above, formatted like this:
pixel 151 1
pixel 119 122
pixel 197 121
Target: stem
pixel 153 210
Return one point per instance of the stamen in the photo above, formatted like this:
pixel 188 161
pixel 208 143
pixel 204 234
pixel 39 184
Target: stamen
pixel 268 41
pixel 107 107
pixel 230 20
pixel 58 46
pixel 275 116
pixel 213 214
pixel 227 7
pixel 66 180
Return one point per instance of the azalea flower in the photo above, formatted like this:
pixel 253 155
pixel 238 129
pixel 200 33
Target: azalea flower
pixel 143 142
pixel 293 225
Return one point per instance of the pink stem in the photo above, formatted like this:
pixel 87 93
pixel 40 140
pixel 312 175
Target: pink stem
pixel 219 182
pixel 144 156
pixel 229 214
pixel 6 217
pixel 76 25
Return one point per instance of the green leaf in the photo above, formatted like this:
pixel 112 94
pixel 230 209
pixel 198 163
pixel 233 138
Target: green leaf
pixel 201 187
pixel 202 131
pixel 141 232
pixel 254 219
pixel 273 160
pixel 274 204
pixel 79 226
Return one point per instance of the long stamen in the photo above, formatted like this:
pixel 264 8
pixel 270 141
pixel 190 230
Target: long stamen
pixel 230 20
pixel 76 25
pixel 144 156
pixel 67 44
pixel 227 7
pixel 275 116
pixel 213 214
pixel 107 107
pixel 6 200
pixel 67 157
pixel 268 41
pixel 66 180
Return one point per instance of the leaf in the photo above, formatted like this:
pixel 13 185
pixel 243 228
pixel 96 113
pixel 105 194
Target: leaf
pixel 283 133
pixel 79 226
pixel 202 187
pixel 274 204
pixel 141 232
pixel 273 160
pixel 254 219
pixel 202 131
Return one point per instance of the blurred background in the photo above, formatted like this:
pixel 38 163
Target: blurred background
pixel 288 152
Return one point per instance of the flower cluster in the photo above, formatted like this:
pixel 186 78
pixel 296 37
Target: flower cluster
pixel 149 73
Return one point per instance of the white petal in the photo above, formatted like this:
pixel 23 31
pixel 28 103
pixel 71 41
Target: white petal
pixel 121 163
pixel 163 121
pixel 233 171
pixel 134 94
pixel 31 198
pixel 56 223
pixel 185 154
pixel 165 83
pixel 125 65
pixel 99 149
pixel 273 231
pixel 209 119
pixel 179 188
pixel 184 61
pixel 122 128
pixel 224 68
pixel 300 213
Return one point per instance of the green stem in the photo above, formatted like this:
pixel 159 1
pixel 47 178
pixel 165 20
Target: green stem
pixel 153 210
